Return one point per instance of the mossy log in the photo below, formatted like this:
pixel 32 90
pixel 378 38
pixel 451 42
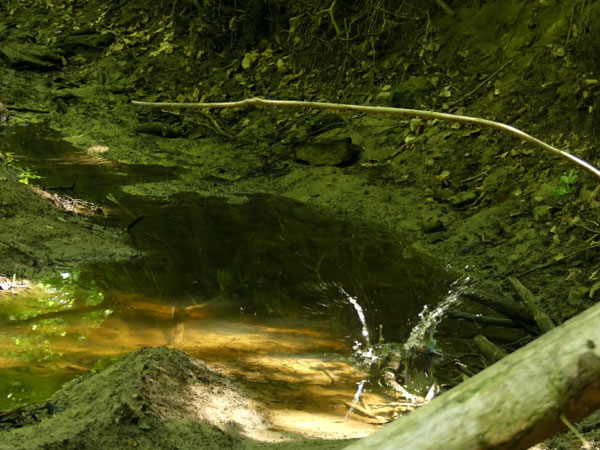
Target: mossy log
pixel 513 404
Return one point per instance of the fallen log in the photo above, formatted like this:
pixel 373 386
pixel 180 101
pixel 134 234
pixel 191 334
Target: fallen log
pixel 513 404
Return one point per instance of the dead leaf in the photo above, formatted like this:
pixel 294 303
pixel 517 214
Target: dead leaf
pixel 281 68
pixel 558 52
pixel 416 126
pixel 249 59
pixel 444 175
pixel 165 47
pixel 446 93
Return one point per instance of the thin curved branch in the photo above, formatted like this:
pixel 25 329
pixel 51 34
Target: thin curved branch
pixel 257 101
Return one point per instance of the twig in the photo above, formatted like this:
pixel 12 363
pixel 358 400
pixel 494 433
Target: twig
pixel 137 220
pixel 504 306
pixel 585 444
pixel 442 4
pixel 480 85
pixel 480 174
pixel 540 316
pixel 555 261
pixel 60 188
pixel 50 315
pixel 17 249
pixel 591 230
pixel 257 101
pixel 332 17
pixel 397 152
pixel 484 320
pixel 218 128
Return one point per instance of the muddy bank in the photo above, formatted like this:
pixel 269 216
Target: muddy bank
pixel 152 398
pixel 37 238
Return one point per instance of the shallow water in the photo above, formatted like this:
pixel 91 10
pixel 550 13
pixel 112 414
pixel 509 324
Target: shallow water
pixel 270 292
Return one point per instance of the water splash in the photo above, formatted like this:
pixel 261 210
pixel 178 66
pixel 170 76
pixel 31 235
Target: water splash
pixel 422 334
pixel 359 390
pixel 362 349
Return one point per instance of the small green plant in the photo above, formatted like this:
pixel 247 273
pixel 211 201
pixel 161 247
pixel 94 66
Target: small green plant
pixel 567 184
pixel 27 175
pixel 224 279
pixel 7 158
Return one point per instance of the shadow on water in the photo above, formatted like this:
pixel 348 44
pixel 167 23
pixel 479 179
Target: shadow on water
pixel 264 291
pixel 66 170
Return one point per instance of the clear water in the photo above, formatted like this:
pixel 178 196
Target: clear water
pixel 271 292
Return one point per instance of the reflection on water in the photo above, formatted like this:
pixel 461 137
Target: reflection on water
pixel 299 372
pixel 269 292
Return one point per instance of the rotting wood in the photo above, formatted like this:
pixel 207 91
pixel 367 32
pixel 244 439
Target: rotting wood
pixel 514 403
pixel 341 107
pixel 542 319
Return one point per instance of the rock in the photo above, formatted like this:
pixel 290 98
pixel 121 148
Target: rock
pixel 338 152
pixel 31 56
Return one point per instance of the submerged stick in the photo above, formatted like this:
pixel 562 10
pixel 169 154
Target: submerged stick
pixel 257 101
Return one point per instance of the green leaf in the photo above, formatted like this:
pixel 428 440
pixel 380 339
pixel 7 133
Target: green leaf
pixel 569 179
pixel 560 190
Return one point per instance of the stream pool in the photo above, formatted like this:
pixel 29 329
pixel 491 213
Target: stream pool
pixel 270 292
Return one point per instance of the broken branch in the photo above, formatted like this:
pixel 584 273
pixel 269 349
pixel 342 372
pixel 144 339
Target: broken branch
pixel 257 101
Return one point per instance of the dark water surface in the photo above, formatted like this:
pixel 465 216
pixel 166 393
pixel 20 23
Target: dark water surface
pixel 271 292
